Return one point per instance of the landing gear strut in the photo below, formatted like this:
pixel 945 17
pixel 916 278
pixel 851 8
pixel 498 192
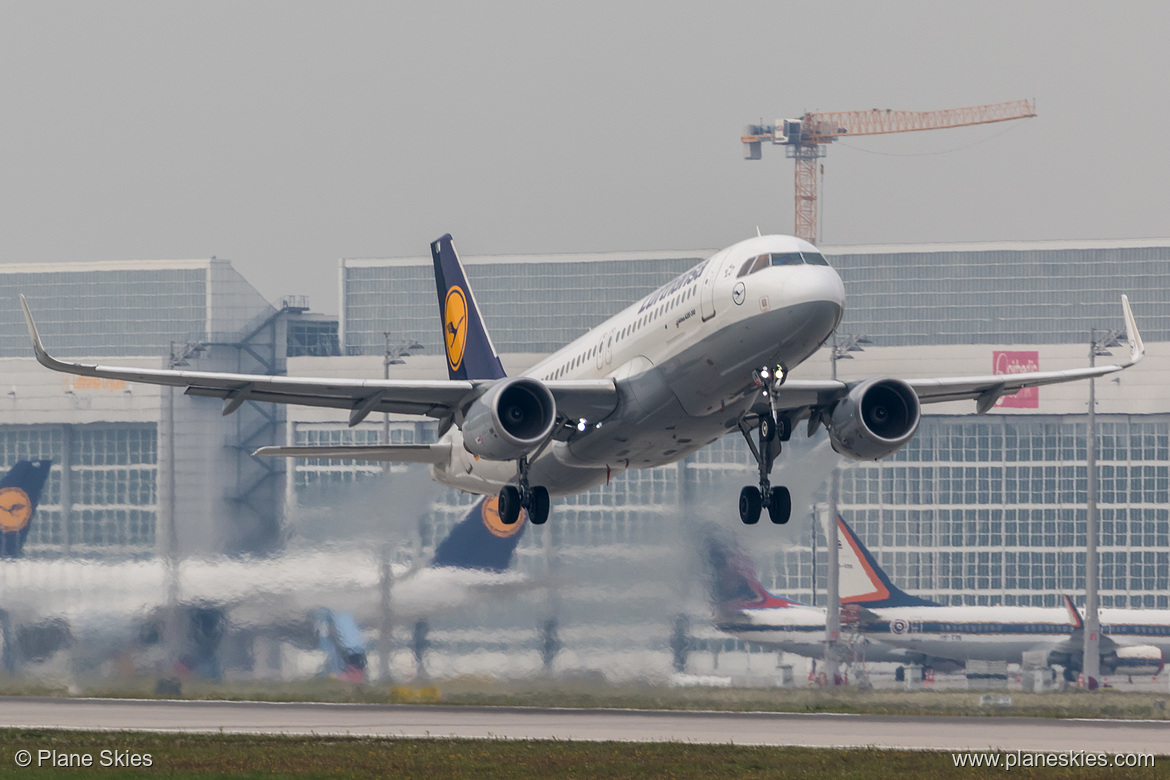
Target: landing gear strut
pixel 513 498
pixel 752 499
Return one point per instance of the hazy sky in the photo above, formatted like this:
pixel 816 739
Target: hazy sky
pixel 284 135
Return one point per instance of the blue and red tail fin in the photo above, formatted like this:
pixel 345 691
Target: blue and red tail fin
pixel 863 581
pixel 481 540
pixel 470 353
pixel 733 581
pixel 20 492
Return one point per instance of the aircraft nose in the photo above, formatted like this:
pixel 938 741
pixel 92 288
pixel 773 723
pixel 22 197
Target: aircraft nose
pixel 816 284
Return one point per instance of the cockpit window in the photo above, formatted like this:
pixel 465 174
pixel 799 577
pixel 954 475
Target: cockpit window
pixel 753 264
pixel 760 262
pixel 787 258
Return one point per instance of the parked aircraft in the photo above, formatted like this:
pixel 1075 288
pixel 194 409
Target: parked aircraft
pixel 706 354
pixel 1133 641
pixel 884 623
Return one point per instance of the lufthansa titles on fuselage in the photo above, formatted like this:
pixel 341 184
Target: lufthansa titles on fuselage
pixel 670 288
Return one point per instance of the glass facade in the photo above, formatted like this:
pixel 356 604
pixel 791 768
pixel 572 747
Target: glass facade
pixel 530 306
pixel 1022 294
pixel 88 311
pixel 101 497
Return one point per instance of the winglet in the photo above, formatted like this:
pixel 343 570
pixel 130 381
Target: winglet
pixel 42 356
pixel 1137 349
pixel 1074 614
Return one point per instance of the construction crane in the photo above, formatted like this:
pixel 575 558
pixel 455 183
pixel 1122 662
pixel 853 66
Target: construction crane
pixel 805 139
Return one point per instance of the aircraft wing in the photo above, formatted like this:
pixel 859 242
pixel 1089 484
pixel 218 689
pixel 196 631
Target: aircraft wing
pixel 588 399
pixel 984 390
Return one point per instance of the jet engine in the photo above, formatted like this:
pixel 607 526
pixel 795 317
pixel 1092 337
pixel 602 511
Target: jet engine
pixel 876 419
pixel 510 420
pixel 1141 660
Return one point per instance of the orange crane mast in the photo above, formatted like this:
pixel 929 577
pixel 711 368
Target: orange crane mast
pixel 804 140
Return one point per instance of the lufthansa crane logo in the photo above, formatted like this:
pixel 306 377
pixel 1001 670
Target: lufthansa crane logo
pixel 15 509
pixel 455 326
pixel 492 521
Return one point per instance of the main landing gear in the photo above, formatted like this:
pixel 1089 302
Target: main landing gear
pixel 752 499
pixel 513 498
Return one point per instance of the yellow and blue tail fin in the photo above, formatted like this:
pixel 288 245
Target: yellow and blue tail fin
pixel 469 349
pixel 481 540
pixel 20 492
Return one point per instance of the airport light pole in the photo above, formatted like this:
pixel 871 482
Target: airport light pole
pixel 172 630
pixel 1100 342
pixel 841 350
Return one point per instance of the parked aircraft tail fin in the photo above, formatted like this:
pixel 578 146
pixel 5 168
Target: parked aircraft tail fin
pixel 732 579
pixel 481 540
pixel 863 581
pixel 20 492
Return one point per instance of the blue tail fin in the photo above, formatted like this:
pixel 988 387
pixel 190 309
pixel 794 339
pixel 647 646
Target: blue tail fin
pixel 20 492
pixel 470 354
pixel 863 581
pixel 481 540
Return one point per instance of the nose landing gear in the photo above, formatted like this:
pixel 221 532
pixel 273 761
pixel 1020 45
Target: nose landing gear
pixel 772 429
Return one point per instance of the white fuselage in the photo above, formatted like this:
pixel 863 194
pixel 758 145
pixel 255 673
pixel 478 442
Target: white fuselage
pixel 1006 633
pixel 958 634
pixel 682 359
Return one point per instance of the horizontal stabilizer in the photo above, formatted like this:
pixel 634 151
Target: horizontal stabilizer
pixel 388 453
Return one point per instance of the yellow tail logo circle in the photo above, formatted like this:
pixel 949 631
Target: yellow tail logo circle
pixel 15 509
pixel 492 521
pixel 455 326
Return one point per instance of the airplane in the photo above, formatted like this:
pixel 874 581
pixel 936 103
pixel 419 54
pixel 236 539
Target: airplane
pixel 896 626
pixel 747 610
pixel 706 354
pixel 101 608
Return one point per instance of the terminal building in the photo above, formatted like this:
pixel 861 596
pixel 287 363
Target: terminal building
pixel 977 509
pixel 132 462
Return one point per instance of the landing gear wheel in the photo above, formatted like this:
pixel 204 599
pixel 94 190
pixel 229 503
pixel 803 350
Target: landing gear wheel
pixel 767 428
pixel 750 504
pixel 539 505
pixel 509 506
pixel 780 505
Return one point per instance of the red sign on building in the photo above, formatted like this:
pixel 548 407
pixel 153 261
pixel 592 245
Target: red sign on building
pixel 1017 363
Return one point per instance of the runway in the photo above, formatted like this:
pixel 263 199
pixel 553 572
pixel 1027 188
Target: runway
pixel 755 728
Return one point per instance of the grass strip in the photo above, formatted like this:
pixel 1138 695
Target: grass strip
pixel 206 756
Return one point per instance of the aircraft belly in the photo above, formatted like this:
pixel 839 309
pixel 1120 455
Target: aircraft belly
pixel 716 371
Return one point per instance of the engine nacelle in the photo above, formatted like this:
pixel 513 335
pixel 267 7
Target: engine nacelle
pixel 1142 660
pixel 510 420
pixel 876 419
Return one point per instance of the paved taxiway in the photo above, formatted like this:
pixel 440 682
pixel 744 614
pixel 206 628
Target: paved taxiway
pixel 827 730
